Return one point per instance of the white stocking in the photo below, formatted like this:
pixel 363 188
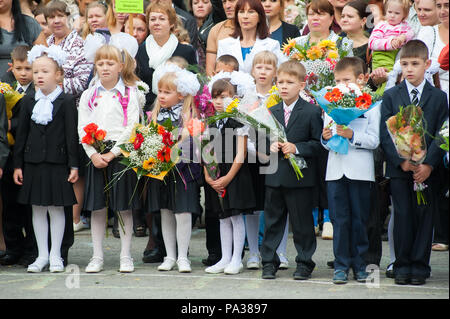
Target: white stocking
pixel 226 241
pixel 40 226
pixel 57 226
pixel 252 228
pixel 125 237
pixel 184 229
pixel 238 238
pixel 98 227
pixel 168 228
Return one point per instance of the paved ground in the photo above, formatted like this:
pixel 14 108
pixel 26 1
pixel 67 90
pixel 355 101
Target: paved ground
pixel 148 283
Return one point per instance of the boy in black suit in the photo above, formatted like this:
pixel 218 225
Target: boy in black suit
pixel 284 192
pixel 413 228
pixel 20 248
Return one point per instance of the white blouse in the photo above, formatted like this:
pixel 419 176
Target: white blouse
pixel 108 114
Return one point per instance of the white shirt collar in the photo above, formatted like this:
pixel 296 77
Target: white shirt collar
pixel 291 106
pixel 120 87
pixel 24 87
pixel 419 88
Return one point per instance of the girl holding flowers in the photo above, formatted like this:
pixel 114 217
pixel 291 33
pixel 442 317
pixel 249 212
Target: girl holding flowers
pixel 178 196
pixel 110 106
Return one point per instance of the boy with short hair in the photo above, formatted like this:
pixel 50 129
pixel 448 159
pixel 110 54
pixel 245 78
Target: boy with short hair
pixel 413 230
pixel 350 179
pixel 226 63
pixel 284 192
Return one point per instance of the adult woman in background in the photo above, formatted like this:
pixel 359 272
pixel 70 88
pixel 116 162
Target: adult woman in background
pixel 202 11
pixel 140 28
pixel 250 36
pixel 279 30
pixel 95 18
pixel 115 20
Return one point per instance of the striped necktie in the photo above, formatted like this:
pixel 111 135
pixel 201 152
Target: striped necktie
pixel 415 98
pixel 287 114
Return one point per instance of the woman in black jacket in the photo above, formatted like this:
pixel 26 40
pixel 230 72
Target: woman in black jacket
pixel 279 30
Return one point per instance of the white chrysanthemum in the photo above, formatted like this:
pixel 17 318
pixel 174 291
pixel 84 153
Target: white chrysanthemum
pixel 355 88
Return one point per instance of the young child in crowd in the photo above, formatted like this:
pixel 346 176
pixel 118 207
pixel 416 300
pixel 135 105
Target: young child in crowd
pixel 413 229
pixel 350 179
pixel 235 180
pixel 284 191
pixel 46 154
pixel 390 35
pixel 113 105
pixel 226 63
pixel 179 195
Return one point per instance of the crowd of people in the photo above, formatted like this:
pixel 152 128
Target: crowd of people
pixel 79 62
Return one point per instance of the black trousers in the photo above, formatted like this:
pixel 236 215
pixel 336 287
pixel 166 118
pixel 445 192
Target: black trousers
pixel 212 229
pixel 440 215
pixel 413 228
pixel 299 203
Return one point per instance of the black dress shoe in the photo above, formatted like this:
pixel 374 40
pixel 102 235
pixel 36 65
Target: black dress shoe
pixel 402 280
pixel 26 260
pixel 211 260
pixel 269 271
pixel 9 259
pixel 302 274
pixel 390 274
pixel 152 256
pixel 417 281
pixel 330 264
pixel 2 253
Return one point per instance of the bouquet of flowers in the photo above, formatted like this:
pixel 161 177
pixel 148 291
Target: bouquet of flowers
pixel 205 107
pixel 274 97
pixel 94 137
pixel 408 135
pixel 444 134
pixel 295 13
pixel 11 98
pixel 318 59
pixel 249 112
pixel 344 103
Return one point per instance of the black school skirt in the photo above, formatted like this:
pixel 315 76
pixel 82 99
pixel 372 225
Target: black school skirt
pixel 46 184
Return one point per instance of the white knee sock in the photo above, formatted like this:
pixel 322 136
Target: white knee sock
pixel 238 238
pixel 98 228
pixel 282 247
pixel 184 229
pixel 125 238
pixel 226 241
pixel 40 226
pixel 252 228
pixel 57 226
pixel 168 228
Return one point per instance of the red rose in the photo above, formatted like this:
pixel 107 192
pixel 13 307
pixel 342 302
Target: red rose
pixel 138 141
pixel 100 135
pixel 90 128
pixel 88 139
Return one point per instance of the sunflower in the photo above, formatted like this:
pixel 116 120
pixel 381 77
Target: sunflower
pixel 148 164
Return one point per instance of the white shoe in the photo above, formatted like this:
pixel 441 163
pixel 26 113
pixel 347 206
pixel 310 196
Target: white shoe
pixel 253 261
pixel 167 264
pixel 95 265
pixel 82 224
pixel 126 264
pixel 215 269
pixel 284 262
pixel 38 265
pixel 184 265
pixel 56 264
pixel 327 231
pixel 233 269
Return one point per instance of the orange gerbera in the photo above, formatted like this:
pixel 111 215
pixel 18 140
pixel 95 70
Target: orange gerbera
pixel 364 101
pixel 164 154
pixel 334 96
pixel 314 53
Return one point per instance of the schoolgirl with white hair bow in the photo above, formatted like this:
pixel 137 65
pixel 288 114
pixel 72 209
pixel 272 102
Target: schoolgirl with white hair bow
pixel 178 196
pixel 46 154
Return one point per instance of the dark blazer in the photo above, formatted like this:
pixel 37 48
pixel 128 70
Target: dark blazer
pixel 435 109
pixel 56 142
pixel 303 130
pixel 289 31
pixel 145 73
pixel 16 109
pixel 4 147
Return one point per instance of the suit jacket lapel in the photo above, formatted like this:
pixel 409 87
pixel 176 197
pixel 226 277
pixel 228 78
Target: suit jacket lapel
pixel 278 112
pixel 294 114
pixel 57 104
pixel 426 94
pixel 404 94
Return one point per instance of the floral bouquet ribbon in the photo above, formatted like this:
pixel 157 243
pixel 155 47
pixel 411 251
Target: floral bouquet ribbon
pixel 344 103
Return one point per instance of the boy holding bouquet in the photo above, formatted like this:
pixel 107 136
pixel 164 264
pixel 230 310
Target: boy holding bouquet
pixel 350 178
pixel 413 229
pixel 284 192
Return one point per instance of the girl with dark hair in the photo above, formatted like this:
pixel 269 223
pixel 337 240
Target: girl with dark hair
pixel 250 36
pixel 15 29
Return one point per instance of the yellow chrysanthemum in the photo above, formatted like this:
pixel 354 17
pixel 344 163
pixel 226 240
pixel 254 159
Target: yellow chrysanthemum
pixel 333 54
pixel 314 53
pixel 148 164
pixel 232 106
pixel 327 44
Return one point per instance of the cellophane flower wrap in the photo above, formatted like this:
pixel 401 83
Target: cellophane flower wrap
pixel 407 132
pixel 149 150
pixel 344 103
pixel 11 98
pixel 250 112
pixel 319 60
